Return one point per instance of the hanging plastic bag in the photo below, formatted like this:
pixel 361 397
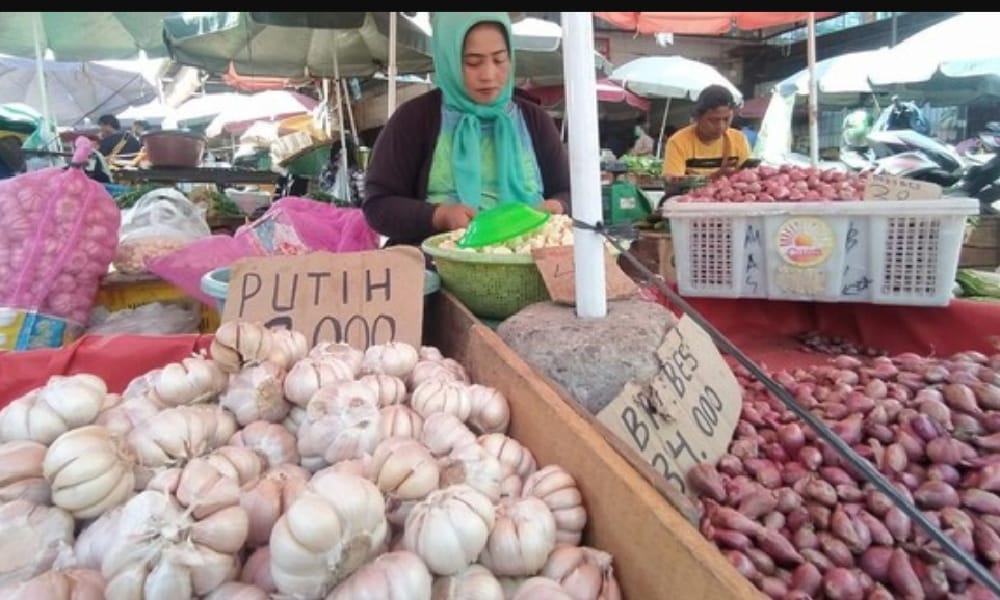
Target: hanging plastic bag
pixel 162 221
pixel 57 239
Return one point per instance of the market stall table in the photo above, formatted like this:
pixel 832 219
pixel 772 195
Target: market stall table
pixel 226 176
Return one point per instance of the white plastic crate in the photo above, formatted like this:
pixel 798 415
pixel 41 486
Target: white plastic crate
pixel 900 252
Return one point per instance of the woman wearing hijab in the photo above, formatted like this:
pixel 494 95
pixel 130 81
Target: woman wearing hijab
pixel 466 146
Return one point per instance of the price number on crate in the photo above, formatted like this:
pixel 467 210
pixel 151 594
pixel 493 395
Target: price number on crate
pixel 686 413
pixel 891 187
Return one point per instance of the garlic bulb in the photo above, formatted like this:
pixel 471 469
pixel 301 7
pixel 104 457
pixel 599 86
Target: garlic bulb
pixel 557 489
pixel 160 551
pixel 362 467
pixel 238 343
pixel 427 370
pixel 21 472
pixel 490 410
pixel 31 538
pixel 69 584
pixel 89 471
pixel 399 421
pixel 398 510
pixel 474 583
pixel 267 498
pixel 389 389
pixel 522 537
pixel 294 419
pixel 62 404
pixel 95 539
pixel 235 590
pixel 473 465
pixel 194 380
pixel 440 395
pixel 509 452
pixel 257 570
pixel 273 442
pixel 541 588
pixel 449 528
pixel 510 585
pixel 177 435
pixel 341 351
pixel 402 467
pixel 133 409
pixel 257 393
pixel 456 369
pixel 209 484
pixel 335 525
pixel 585 573
pixel 391 358
pixel 443 432
pixel 287 347
pixel 429 353
pixel 310 374
pixel 342 421
pixel 391 576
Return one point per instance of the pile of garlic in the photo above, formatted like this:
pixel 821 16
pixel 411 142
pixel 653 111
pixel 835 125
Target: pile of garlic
pixel 557 231
pixel 277 470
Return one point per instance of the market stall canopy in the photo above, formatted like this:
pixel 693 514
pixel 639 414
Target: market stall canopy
pixel 270 105
pixel 703 23
pixel 199 110
pixel 247 83
pixel 80 36
pixel 839 74
pixel 607 91
pixel 956 59
pixel 221 42
pixel 538 57
pixel 153 111
pixel 76 90
pixel 670 77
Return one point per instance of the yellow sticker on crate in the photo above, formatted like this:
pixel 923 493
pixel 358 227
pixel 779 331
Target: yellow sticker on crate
pixel 805 241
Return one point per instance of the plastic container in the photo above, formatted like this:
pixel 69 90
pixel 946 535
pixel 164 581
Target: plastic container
pixel 30 330
pixel 174 148
pixel 249 201
pixel 215 283
pixel 899 252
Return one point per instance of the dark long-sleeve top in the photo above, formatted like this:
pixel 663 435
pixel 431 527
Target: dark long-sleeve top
pixel 396 185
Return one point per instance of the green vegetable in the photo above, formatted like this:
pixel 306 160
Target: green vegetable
pixel 224 206
pixel 979 283
pixel 129 198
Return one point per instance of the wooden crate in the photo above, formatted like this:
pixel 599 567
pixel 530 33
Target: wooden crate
pixel 657 552
pixel 982 245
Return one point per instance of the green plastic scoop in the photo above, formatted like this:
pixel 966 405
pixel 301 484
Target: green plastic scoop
pixel 502 223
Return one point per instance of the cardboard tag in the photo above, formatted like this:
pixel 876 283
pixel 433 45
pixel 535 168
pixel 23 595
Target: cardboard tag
pixel 556 264
pixel 891 187
pixel 363 298
pixel 687 413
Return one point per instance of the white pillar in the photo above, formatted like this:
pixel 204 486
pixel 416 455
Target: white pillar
pixel 813 92
pixel 584 160
pixel 393 69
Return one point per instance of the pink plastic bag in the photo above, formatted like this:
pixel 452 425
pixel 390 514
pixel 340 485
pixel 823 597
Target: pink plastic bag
pixel 58 235
pixel 291 226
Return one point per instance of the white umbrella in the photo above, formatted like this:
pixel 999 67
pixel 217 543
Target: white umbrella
pixel 153 112
pixel 670 77
pixel 74 90
pixel 199 109
pixel 845 73
pixel 270 105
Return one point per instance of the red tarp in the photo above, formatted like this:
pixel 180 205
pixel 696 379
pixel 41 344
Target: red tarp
pixel 703 23
pixel 763 329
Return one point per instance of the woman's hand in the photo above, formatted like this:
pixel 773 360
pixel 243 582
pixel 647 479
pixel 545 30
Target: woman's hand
pixel 553 206
pixel 449 217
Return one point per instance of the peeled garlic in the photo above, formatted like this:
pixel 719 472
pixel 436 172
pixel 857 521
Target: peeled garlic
pixel 449 528
pixel 402 467
pixel 257 393
pixel 557 488
pixel 391 358
pixel 237 343
pixel 391 576
pixel 474 583
pixel 522 537
pixel 585 573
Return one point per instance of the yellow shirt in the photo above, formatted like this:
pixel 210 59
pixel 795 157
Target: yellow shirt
pixel 686 154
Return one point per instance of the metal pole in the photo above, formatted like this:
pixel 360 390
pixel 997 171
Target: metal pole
pixel 392 66
pixel 895 32
pixel 37 30
pixel 663 127
pixel 813 91
pixel 585 164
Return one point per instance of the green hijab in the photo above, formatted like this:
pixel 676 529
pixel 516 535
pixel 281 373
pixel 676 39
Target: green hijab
pixel 447 44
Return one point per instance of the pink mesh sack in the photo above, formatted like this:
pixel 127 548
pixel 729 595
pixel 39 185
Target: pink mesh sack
pixel 291 226
pixel 58 236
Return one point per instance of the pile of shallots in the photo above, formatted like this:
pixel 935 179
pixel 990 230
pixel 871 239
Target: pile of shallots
pixel 787 183
pixel 790 515
pixel 277 470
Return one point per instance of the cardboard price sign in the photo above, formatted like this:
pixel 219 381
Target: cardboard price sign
pixel 362 298
pixel 557 267
pixel 891 187
pixel 687 413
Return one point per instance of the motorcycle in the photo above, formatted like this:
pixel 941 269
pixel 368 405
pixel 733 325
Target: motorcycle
pixel 906 153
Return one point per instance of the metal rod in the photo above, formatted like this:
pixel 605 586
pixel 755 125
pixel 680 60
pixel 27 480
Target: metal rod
pixel 813 92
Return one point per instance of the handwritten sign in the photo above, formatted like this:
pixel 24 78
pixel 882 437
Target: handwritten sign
pixel 363 298
pixel 890 187
pixel 557 266
pixel 686 413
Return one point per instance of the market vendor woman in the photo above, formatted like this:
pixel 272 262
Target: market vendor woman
pixel 466 146
pixel 708 146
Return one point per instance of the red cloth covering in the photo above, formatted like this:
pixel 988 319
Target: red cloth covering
pixel 764 329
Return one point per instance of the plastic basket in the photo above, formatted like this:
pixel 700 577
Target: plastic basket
pixel 215 283
pixel 899 252
pixel 492 286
